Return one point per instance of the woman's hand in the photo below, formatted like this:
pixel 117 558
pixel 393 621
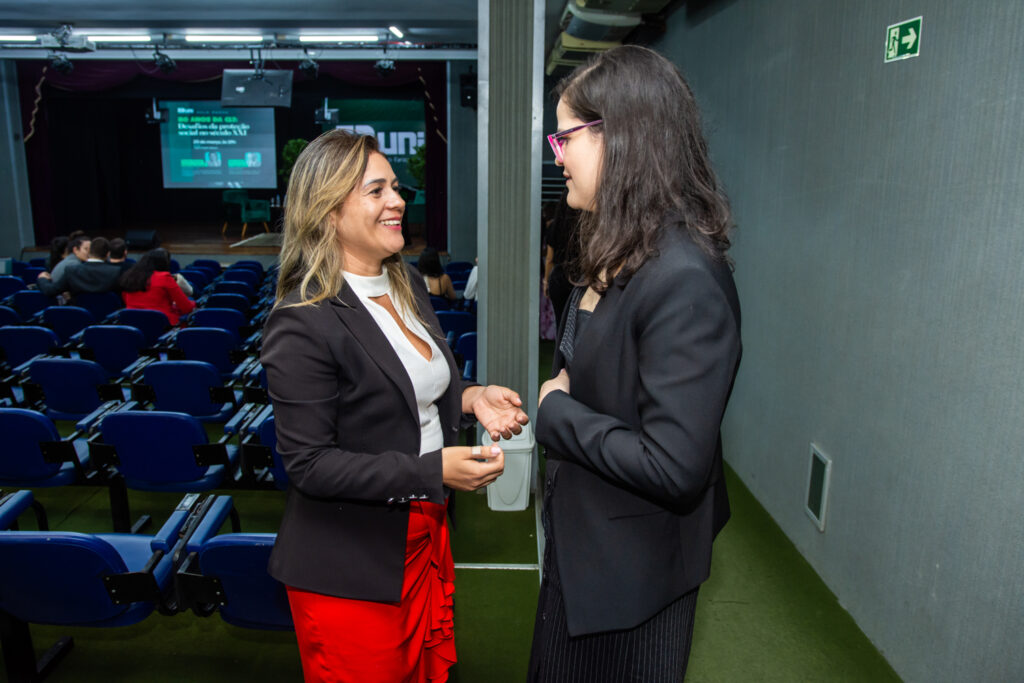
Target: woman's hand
pixel 497 409
pixel 559 382
pixel 465 468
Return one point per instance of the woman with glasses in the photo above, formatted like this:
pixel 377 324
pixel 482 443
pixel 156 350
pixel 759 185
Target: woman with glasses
pixel 645 361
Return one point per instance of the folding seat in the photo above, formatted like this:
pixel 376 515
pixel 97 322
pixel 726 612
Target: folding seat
pixel 39 262
pixel 466 348
pixel 246 275
pixel 218 347
pixel 74 579
pixel 28 302
pixel 439 303
pixel 100 304
pixel 230 319
pixel 187 386
pixel 151 323
pixel 30 274
pixel 234 287
pixel 156 450
pixel 456 323
pixel 248 263
pixel 235 301
pixel 10 284
pixel 228 573
pixel 206 264
pixel 115 347
pixel 35 456
pixel 71 388
pixel 22 343
pixel 9 316
pixel 66 321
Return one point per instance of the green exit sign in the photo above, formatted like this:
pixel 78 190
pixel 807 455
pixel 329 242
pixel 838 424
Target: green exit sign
pixel 903 40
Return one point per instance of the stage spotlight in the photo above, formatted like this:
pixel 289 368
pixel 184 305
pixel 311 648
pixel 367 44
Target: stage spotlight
pixel 61 64
pixel 163 62
pixel 384 67
pixel 309 68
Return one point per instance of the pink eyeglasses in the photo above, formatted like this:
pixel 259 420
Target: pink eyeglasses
pixel 555 139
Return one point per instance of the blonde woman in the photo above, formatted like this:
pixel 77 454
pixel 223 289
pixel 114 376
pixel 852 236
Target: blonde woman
pixel 368 404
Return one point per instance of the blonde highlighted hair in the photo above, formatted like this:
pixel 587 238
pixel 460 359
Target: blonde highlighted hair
pixel 324 175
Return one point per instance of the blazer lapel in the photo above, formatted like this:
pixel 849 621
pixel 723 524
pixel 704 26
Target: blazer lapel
pixel 357 319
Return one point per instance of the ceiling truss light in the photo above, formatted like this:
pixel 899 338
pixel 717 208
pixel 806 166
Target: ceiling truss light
pixel 124 38
pixel 223 38
pixel 397 32
pixel 340 38
pixel 18 38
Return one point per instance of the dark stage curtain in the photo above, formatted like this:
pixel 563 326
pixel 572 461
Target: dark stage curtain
pixel 94 163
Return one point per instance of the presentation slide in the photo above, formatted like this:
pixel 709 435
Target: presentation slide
pixel 206 145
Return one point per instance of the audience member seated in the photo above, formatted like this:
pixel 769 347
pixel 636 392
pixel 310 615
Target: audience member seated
pixel 55 282
pixel 438 282
pixel 149 284
pixel 469 293
pixel 92 276
pixel 119 254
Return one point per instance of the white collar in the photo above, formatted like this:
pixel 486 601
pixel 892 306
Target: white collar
pixel 369 286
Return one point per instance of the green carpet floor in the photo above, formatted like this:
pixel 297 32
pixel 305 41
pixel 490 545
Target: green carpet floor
pixel 763 616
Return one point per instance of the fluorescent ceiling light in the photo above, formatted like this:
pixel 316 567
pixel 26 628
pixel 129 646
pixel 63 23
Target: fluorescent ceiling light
pixel 339 38
pixel 397 31
pixel 223 38
pixel 17 38
pixel 123 38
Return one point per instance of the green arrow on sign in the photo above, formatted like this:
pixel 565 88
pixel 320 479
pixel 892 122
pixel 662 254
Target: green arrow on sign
pixel 903 40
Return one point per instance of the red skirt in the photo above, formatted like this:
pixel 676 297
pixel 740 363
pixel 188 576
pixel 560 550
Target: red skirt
pixel 412 641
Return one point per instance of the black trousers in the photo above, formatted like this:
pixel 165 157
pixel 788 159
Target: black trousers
pixel 656 651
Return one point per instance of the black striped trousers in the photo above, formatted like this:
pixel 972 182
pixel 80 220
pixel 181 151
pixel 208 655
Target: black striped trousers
pixel 656 651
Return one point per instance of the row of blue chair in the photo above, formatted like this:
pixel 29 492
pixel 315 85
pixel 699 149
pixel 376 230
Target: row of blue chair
pixel 109 580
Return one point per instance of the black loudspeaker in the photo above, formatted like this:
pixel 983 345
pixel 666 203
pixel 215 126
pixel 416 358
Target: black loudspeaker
pixel 141 240
pixel 467 90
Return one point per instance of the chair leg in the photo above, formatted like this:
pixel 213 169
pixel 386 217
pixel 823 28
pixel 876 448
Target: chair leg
pixel 119 508
pixel 20 655
pixel 223 228
pixel 265 228
pixel 244 226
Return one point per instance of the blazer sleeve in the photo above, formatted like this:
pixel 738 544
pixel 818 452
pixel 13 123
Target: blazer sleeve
pixel 688 346
pixel 303 379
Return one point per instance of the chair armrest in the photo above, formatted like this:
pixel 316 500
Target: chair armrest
pixel 240 420
pixel 165 539
pixel 88 423
pixel 13 505
pixel 210 523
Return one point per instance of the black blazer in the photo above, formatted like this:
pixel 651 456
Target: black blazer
pixel 639 493
pixel 348 433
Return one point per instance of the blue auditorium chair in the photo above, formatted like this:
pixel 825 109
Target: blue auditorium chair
pixel 39 262
pixel 115 347
pixel 228 573
pixel 100 304
pixel 455 324
pixel 229 319
pixel 206 264
pixel 236 301
pixel 9 316
pixel 251 264
pixel 72 388
pixel 72 579
pixel 456 268
pixel 35 456
pixel 246 275
pixel 196 277
pixel 466 347
pixel 213 345
pixel 30 274
pixel 188 386
pixel 22 343
pixel 234 287
pixel 151 323
pixel 66 321
pixel 10 284
pixel 28 302
pixel 156 450
pixel 440 303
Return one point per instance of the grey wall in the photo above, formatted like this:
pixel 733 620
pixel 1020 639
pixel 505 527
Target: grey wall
pixel 461 169
pixel 15 206
pixel 880 262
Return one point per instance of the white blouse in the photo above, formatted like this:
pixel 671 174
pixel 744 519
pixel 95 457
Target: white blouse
pixel 430 378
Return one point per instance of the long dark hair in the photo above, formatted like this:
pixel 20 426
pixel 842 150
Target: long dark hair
pixel 655 165
pixel 136 278
pixel 58 250
pixel 430 263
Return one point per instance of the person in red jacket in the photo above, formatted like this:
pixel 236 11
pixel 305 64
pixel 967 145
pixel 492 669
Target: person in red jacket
pixel 149 284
